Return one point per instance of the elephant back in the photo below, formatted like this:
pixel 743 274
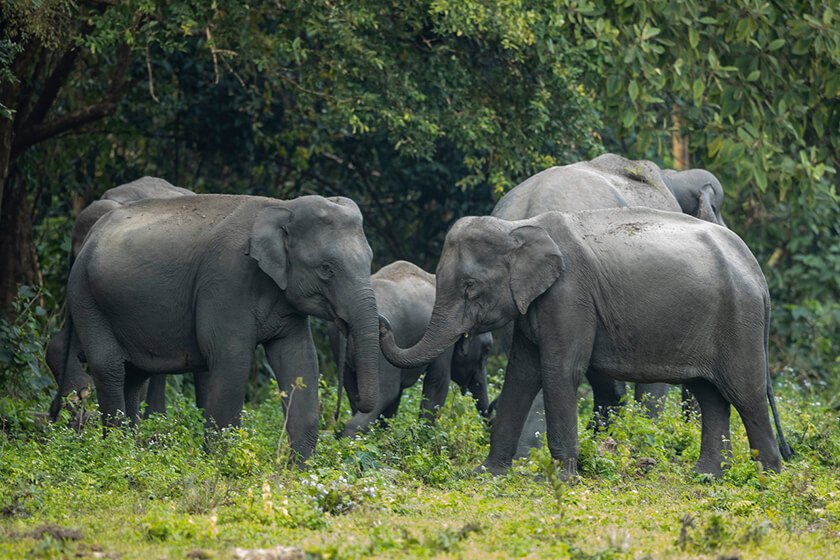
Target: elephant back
pixel 405 295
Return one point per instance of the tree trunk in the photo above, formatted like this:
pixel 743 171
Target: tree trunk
pixel 18 261
pixel 679 143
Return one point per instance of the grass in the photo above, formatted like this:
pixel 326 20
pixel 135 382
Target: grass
pixel 410 490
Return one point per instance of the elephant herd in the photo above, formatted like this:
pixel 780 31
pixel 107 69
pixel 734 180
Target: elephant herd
pixel 610 269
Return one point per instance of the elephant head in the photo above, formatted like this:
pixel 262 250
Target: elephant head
pixel 469 368
pixel 698 192
pixel 315 250
pixel 490 271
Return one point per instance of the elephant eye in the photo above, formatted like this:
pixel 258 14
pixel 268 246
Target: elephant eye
pixel 470 287
pixel 325 270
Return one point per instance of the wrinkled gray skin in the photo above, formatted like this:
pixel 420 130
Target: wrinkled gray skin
pixel 608 181
pixel 632 294
pixel 141 189
pixel 405 294
pixel 194 284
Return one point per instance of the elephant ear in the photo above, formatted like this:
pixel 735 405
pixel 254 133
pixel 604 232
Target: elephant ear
pixel 705 210
pixel 536 263
pixel 267 244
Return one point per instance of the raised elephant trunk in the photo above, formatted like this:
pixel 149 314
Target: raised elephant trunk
pixel 363 323
pixel 439 335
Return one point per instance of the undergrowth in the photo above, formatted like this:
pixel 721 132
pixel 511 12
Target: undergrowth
pixel 408 489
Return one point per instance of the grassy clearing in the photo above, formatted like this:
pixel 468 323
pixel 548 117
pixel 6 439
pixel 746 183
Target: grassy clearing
pixel 410 491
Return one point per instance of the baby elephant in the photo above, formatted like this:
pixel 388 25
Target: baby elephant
pixel 405 295
pixel 632 293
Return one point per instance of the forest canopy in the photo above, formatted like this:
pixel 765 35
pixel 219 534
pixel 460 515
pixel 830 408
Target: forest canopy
pixel 424 112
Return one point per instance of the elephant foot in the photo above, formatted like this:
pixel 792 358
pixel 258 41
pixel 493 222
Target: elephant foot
pixel 709 466
pixel 496 469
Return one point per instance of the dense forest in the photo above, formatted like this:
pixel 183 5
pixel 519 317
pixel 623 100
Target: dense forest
pixel 422 113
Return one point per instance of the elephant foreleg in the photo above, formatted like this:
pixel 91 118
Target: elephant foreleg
pixel 156 395
pixel 293 357
pixel 435 387
pixel 522 382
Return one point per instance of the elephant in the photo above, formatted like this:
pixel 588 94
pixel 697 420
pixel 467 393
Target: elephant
pixel 405 294
pixel 140 189
pixel 195 283
pixel 633 294
pixel 608 181
pixel 698 192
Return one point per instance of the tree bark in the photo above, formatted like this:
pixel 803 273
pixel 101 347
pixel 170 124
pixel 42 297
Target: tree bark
pixel 17 248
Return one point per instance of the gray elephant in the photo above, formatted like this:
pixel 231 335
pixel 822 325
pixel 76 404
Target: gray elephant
pixel 698 192
pixel 631 293
pixel 405 294
pixel 608 181
pixel 140 189
pixel 194 284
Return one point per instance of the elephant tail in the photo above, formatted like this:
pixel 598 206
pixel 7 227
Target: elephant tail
pixel 784 448
pixel 342 358
pixel 68 339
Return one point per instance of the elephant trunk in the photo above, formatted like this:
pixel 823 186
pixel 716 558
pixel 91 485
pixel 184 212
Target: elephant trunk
pixel 479 392
pixel 440 335
pixel 365 333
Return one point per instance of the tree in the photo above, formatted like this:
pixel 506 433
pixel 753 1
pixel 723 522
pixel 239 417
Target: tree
pixel 64 66
pixel 334 97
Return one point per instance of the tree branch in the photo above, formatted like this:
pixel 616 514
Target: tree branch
pixel 49 93
pixel 38 132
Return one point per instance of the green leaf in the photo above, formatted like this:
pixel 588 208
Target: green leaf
pixel 697 89
pixel 776 44
pixel 650 32
pixel 754 75
pixel 628 119
pixel 693 37
pixel 633 90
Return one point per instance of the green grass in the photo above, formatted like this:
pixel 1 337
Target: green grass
pixel 410 490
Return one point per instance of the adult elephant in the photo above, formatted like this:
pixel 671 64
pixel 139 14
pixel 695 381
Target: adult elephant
pixel 194 284
pixel 633 294
pixel 608 181
pixel 140 189
pixel 405 295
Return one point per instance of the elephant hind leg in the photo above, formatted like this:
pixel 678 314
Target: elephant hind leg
pixel 714 410
pixel 606 395
pixel 751 403
pixel 109 377
pixel 135 389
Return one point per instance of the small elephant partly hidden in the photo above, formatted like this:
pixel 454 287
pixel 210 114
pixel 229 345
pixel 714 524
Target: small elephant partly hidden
pixel 405 295
pixel 196 283
pixel 633 294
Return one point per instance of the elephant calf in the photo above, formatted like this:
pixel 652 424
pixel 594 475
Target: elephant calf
pixel 633 294
pixel 405 294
